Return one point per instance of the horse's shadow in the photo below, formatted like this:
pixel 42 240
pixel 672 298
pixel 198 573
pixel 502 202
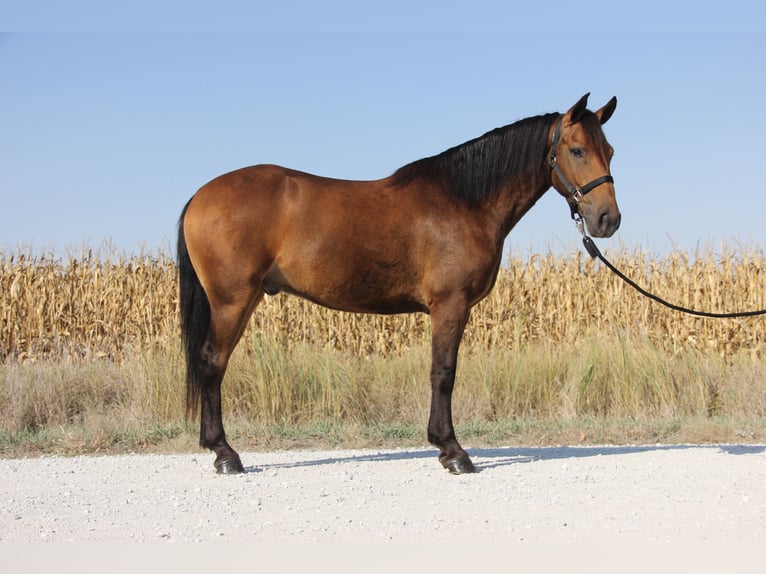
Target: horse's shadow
pixel 487 458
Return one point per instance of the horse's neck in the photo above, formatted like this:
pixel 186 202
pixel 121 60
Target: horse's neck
pixel 515 200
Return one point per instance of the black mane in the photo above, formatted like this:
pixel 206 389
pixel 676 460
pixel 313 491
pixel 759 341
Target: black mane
pixel 476 170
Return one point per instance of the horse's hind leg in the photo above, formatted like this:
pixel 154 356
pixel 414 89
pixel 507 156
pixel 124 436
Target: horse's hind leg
pixel 227 322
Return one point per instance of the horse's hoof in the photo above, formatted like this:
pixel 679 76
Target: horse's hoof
pixel 230 465
pixel 459 465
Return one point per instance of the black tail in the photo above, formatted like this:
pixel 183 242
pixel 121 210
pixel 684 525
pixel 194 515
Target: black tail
pixel 195 321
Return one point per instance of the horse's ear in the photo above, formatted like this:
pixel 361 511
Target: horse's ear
pixel 577 110
pixel 606 112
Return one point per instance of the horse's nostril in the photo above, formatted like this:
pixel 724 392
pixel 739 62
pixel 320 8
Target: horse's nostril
pixel 609 222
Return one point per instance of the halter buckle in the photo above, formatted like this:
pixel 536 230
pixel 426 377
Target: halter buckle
pixel 575 195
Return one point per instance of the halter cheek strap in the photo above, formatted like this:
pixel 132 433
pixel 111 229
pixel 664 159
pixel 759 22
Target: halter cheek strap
pixel 575 193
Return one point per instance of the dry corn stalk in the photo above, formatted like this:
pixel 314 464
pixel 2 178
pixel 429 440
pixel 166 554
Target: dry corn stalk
pixel 95 305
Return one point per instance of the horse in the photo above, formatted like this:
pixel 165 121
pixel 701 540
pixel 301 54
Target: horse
pixel 428 238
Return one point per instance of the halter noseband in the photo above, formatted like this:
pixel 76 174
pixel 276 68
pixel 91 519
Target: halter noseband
pixel 575 193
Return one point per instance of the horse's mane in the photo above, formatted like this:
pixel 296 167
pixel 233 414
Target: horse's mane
pixel 476 170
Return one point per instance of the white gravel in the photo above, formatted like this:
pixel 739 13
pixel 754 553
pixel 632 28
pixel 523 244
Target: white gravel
pixel 671 493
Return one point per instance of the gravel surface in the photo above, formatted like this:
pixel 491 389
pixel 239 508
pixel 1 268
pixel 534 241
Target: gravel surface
pixel 672 493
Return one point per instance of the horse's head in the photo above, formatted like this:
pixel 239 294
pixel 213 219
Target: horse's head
pixel 579 158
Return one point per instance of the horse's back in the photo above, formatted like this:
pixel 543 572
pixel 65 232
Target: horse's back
pixel 269 186
pixel 236 189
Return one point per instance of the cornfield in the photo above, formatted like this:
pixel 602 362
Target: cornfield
pixel 97 305
pixel 90 356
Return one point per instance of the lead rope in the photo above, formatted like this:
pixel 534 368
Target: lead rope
pixel 594 252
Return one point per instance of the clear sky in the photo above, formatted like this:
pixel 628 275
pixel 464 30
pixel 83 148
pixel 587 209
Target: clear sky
pixel 111 117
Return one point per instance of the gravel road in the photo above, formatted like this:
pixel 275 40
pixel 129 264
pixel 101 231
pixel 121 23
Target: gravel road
pixel 672 493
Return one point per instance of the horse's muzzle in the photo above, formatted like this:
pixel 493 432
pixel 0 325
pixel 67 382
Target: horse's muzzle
pixel 602 222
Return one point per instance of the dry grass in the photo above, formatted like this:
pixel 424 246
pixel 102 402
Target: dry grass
pixel 89 351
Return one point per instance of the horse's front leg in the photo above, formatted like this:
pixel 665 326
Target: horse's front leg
pixel 447 325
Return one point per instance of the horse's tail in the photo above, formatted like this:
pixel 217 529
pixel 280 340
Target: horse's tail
pixel 195 320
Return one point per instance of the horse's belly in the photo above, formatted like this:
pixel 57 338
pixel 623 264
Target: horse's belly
pixel 357 294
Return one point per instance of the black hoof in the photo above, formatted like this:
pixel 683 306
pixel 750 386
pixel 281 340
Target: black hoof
pixel 230 465
pixel 459 465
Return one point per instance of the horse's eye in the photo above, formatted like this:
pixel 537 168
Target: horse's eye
pixel 577 152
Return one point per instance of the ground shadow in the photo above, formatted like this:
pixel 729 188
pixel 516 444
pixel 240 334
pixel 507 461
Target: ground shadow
pixel 486 458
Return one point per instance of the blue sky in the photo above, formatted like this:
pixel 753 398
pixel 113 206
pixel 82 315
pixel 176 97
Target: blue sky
pixel 111 118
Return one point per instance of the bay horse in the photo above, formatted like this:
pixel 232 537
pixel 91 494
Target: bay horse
pixel 429 238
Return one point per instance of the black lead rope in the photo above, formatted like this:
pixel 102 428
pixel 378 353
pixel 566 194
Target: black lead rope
pixel 594 252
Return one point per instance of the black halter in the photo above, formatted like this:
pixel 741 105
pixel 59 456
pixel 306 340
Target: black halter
pixel 575 193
